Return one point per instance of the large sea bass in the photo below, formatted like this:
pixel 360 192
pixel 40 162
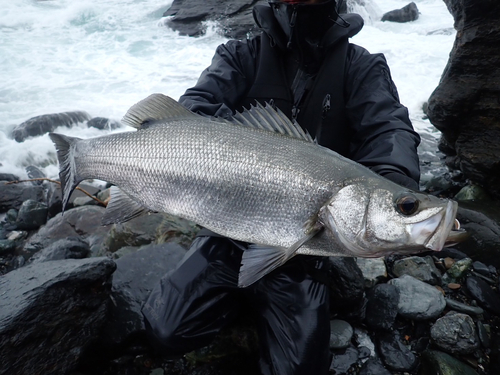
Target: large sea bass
pixel 259 179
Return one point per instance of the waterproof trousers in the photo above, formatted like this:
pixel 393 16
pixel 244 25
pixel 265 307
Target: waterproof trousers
pixel 193 302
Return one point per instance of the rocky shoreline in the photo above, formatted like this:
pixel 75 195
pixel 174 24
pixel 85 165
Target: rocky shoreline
pixel 72 292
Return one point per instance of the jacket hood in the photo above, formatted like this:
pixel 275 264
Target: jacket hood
pixel 266 20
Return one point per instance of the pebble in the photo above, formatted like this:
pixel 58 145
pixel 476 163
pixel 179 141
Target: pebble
pixel 421 268
pixel 418 300
pixel 462 307
pixel 341 334
pixel 455 333
pixel 374 270
pixel 482 292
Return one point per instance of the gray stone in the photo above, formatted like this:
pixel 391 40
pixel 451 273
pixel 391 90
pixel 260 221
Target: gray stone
pixel 439 363
pixel 49 312
pixel 421 268
pixel 484 294
pixel 395 355
pixel 40 125
pixel 382 307
pixel 406 14
pixel 418 300
pixel 373 367
pixel 340 334
pixel 32 215
pixel 83 222
pixel 455 333
pixel 13 195
pixel 66 248
pixel 463 308
pixel 374 270
pixel 342 361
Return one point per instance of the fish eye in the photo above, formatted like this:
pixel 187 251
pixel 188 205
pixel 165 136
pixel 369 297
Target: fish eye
pixel 407 204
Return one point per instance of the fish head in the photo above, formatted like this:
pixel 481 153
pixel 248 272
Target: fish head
pixel 373 220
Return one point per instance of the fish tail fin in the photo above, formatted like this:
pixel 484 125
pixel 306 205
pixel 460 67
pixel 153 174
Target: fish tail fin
pixel 67 170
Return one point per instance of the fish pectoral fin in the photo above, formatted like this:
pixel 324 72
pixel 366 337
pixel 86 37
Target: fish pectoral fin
pixel 258 260
pixel 122 208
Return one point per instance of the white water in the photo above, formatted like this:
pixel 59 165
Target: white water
pixel 103 56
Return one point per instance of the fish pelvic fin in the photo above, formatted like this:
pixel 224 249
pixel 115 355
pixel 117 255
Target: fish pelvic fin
pixel 270 119
pixel 154 108
pixel 121 208
pixel 67 169
pixel 258 260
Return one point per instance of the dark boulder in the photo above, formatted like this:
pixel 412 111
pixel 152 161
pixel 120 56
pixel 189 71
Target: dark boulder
pixel 465 105
pixel 235 18
pixel 50 312
pixel 13 195
pixel 406 14
pixel 103 123
pixel 136 275
pixel 40 125
pixel 83 222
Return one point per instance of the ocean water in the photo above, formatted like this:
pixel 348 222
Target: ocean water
pixel 103 56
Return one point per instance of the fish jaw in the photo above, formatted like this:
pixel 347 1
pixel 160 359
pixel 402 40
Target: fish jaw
pixel 436 229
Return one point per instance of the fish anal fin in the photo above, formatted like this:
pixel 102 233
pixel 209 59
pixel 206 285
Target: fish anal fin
pixel 122 208
pixel 154 108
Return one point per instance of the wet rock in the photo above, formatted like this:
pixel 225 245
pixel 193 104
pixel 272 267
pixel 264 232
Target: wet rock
pixel 66 248
pixel 465 106
pixel 463 308
pixel 7 247
pixel 341 362
pixel 484 294
pixel 458 270
pixel 234 17
pixel 406 14
pixel 418 300
pixel 8 177
pixel 341 334
pixel 103 123
pixel 363 339
pixel 39 125
pixel 482 269
pixel 13 195
pixel 49 312
pixel 373 367
pixel 439 363
pixel 395 355
pixel 483 334
pixel 382 307
pixel 471 193
pixel 455 333
pixel 136 275
pixel 347 292
pixel 152 228
pixel 421 268
pixel 32 215
pixel 83 222
pixel 374 270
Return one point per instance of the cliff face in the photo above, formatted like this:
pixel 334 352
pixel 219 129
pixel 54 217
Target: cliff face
pixel 465 106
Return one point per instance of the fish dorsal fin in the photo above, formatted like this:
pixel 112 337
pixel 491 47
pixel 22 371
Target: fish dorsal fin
pixel 270 119
pixel 155 107
pixel 122 208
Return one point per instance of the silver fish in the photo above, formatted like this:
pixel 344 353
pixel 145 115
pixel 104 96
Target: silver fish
pixel 258 178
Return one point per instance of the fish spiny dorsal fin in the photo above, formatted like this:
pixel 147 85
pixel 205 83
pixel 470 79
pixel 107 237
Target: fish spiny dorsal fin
pixel 155 107
pixel 270 119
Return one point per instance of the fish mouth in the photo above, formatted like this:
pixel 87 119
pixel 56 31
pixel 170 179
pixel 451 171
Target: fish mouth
pixel 456 235
pixel 444 228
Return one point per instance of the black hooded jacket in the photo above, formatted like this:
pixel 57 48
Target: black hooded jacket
pixel 343 95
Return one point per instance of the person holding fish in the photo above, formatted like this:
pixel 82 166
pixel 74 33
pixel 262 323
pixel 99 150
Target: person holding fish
pixel 345 99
